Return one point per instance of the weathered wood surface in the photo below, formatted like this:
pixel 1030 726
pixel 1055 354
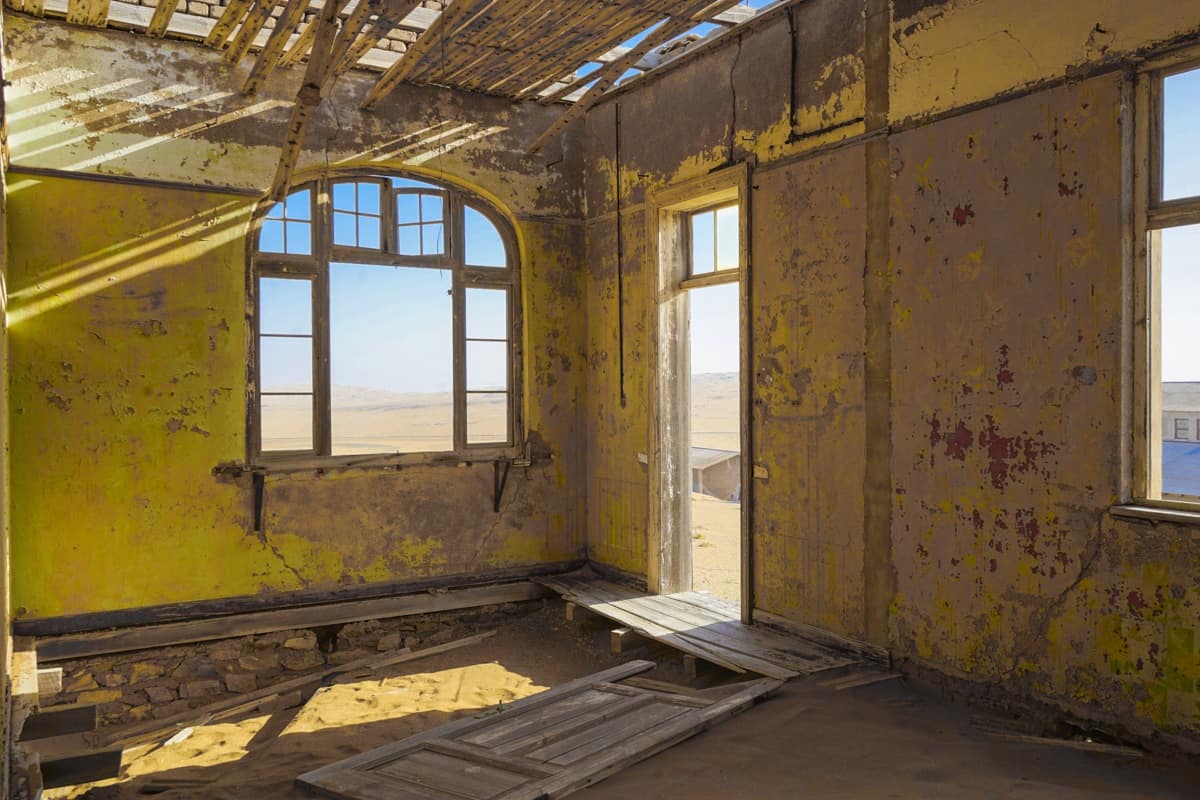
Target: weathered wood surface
pixel 119 641
pixel 699 625
pixel 545 746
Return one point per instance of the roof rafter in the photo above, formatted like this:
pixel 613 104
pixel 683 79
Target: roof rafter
pixel 608 75
pixel 271 54
pixel 398 71
pixel 255 19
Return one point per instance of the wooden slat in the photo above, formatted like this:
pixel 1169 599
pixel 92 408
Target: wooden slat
pixel 318 779
pixel 269 57
pixel 93 13
pixel 86 645
pixel 303 42
pixel 375 32
pixel 407 62
pixel 162 18
pixel 230 17
pixel 85 767
pixel 60 721
pixel 640 747
pixel 256 18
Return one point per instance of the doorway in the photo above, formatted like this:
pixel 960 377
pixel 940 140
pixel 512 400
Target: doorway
pixel 700 532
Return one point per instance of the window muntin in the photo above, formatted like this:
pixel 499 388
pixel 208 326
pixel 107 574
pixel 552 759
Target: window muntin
pixel 406 348
pixel 1172 222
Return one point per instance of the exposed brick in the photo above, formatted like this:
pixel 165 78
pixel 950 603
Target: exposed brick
pixel 79 682
pixel 300 660
pixel 339 657
pixel 196 689
pixel 160 694
pixel 99 696
pixel 264 662
pixel 241 682
pixel 225 651
pixel 301 643
pixel 143 671
pixel 389 642
pixel 114 679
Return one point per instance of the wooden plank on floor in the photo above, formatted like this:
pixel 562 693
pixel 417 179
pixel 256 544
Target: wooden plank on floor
pixel 60 721
pixel 86 645
pixel 488 758
pixel 81 768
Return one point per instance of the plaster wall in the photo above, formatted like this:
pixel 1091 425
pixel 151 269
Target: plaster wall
pixel 1004 288
pixel 130 334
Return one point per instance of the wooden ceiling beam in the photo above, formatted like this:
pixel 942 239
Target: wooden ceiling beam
pixel 93 13
pixel 162 18
pixel 443 27
pixel 255 19
pixel 229 18
pixel 312 90
pixel 269 57
pixel 610 73
pixel 375 32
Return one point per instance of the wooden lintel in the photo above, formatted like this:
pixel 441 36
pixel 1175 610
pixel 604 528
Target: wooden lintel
pixel 162 18
pixel 404 65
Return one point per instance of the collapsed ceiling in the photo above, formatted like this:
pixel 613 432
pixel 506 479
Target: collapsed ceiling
pixel 540 50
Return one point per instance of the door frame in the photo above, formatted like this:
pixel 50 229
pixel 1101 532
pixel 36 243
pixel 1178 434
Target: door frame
pixel 669 545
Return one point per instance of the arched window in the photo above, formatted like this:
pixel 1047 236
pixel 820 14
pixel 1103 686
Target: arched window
pixel 385 318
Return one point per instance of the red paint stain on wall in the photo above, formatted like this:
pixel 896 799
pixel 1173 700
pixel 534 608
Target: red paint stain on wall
pixel 962 214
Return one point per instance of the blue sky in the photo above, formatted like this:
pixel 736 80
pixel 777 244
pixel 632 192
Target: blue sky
pixel 1181 246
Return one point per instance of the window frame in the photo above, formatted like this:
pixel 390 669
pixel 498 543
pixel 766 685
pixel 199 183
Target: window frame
pixel 1151 215
pixel 316 269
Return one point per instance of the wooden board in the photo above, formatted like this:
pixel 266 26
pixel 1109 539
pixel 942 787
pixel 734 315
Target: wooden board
pixel 700 625
pixel 545 746
pixel 86 645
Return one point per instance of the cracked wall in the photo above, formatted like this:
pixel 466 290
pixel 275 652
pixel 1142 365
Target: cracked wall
pixel 1003 318
pixel 130 334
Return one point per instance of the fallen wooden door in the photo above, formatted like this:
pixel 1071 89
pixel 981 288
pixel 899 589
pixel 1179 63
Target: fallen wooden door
pixel 544 746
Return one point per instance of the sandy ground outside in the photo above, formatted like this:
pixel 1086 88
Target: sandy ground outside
pixel 716 547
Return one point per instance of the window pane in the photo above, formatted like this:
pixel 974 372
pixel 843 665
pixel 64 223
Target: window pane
pixel 487 314
pixel 287 423
pixel 727 238
pixel 368 232
pixel 1180 276
pixel 392 354
pixel 487 419
pixel 271 238
pixel 343 197
pixel 408 240
pixel 1181 120
pixel 299 205
pixel 431 207
pixel 432 240
pixel 703 235
pixel 344 231
pixel 285 365
pixel 299 238
pixel 484 245
pixel 284 306
pixel 487 366
pixel 408 208
pixel 368 198
pixel 409 183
